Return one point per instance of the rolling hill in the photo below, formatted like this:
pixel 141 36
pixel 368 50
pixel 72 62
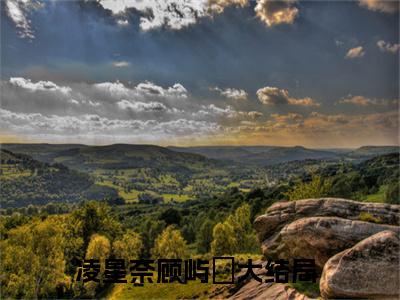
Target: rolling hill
pixel 258 155
pixel 116 156
pixel 25 181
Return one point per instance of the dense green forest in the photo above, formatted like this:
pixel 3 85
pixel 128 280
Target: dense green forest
pixel 58 213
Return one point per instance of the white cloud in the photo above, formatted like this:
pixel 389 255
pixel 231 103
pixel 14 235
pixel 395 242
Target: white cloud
pixel 17 11
pixel 177 91
pixel 178 14
pixel 388 47
pixel 37 124
pixel 255 114
pixel 231 93
pixel 122 23
pixel 137 106
pixel 385 6
pixel 363 101
pixel 116 89
pixel 155 14
pixel 118 6
pixel 120 64
pixel 172 14
pixel 275 96
pixel 39 86
pixel 215 111
pixel 145 110
pixel 276 12
pixel 356 52
pixel 143 89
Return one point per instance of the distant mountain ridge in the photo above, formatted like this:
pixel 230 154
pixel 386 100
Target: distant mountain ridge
pixel 263 155
pixel 80 156
pixel 83 157
pixel 373 150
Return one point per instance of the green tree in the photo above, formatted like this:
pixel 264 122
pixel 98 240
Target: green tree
pixel 351 186
pixel 224 239
pixel 150 230
pixel 392 194
pixel 95 217
pixel 99 248
pixel 32 260
pixel 243 229
pixel 316 188
pixel 235 234
pixel 170 244
pixel 204 237
pixel 129 246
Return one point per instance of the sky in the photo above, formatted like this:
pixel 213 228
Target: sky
pixel 322 74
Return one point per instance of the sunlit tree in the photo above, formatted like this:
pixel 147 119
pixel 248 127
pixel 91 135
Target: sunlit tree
pixel 170 244
pixel 129 246
pixel 316 188
pixel 32 260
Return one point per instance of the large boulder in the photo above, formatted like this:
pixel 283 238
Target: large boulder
pixel 370 269
pixel 282 213
pixel 319 238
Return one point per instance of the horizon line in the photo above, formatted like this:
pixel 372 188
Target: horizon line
pixel 197 146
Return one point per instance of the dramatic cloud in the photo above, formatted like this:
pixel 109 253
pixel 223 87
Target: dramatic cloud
pixel 385 6
pixel 388 47
pixel 155 14
pixel 363 101
pixel 319 130
pixel 147 111
pixel 276 12
pixel 178 14
pixel 120 64
pixel 172 14
pixel 275 96
pixel 17 11
pixel 231 93
pixel 356 52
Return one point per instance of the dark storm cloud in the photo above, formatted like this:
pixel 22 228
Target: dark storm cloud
pixel 152 64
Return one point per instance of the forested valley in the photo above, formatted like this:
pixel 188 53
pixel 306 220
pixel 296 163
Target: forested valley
pixel 63 204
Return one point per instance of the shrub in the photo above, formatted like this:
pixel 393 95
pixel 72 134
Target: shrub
pixel 367 217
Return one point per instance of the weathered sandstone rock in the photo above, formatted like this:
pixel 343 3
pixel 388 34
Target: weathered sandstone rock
pixel 282 213
pixel 319 238
pixel 370 270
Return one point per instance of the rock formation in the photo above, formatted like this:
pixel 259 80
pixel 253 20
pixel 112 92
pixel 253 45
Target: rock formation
pixel 370 269
pixel 355 245
pixel 319 238
pixel 282 213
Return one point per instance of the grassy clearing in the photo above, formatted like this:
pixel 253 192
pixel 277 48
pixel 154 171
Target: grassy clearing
pixel 12 172
pixel 379 196
pixel 165 291
pixel 131 196
pixel 176 197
